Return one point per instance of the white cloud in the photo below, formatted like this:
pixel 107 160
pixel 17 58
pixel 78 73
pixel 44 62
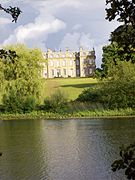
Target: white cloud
pixel 75 40
pixel 77 27
pixel 75 23
pixel 4 21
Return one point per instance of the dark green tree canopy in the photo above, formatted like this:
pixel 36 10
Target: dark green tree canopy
pixel 124 35
pixel 123 10
pixel 7 54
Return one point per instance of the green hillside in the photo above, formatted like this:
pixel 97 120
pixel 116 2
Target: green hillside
pixel 72 87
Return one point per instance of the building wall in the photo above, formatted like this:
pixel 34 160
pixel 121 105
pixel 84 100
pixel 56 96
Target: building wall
pixel 69 64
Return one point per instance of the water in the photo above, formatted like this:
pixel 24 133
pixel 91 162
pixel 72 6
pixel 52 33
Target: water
pixel 62 150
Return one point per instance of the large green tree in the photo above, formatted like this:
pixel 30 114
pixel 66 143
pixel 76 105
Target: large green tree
pixel 122 39
pixel 22 77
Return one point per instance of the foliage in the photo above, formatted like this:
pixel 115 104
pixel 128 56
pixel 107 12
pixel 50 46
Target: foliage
pixel 119 90
pixel 126 162
pixel 13 11
pixel 110 58
pixel 89 95
pixel 123 9
pixel 55 102
pixel 112 55
pixel 21 76
pixel 16 102
pixel 125 37
pixel 115 92
pixel 99 73
pixel 122 47
pixel 8 54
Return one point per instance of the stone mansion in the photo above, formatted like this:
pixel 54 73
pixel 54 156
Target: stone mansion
pixel 69 64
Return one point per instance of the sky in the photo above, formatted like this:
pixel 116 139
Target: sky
pixel 58 24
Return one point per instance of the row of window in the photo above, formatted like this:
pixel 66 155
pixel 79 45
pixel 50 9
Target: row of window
pixel 71 62
pixel 61 63
pixel 61 72
pixel 59 55
pixel 88 61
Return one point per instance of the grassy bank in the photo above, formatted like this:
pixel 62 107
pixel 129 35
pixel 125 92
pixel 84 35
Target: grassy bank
pixel 96 113
pixel 72 87
pixel 73 109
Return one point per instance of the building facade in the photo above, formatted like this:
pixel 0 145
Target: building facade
pixel 69 64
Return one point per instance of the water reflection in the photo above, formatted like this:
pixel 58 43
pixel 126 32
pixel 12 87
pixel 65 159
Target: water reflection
pixel 62 150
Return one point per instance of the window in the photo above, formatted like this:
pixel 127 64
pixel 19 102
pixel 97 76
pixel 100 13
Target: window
pixel 64 72
pixel 51 63
pixel 84 53
pixel 70 55
pixel 90 61
pixel 64 63
pixel 71 62
pixel 58 72
pixel 58 63
pixel 52 72
pixel 90 71
pixel 71 72
pixel 50 56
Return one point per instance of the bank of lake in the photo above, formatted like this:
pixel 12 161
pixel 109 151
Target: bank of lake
pixel 117 113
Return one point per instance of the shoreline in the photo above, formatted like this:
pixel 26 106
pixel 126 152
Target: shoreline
pixel 12 117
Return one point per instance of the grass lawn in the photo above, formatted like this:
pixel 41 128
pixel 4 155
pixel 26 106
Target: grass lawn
pixel 72 87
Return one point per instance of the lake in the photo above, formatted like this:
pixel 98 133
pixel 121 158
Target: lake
pixel 63 149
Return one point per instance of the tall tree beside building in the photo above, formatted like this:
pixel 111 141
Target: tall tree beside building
pixel 22 77
pixel 123 37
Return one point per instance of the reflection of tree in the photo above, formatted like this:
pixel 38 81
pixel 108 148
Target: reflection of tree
pixel 24 150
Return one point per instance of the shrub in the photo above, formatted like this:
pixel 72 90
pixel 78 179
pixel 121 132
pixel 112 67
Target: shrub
pixel 57 101
pixel 90 94
pixel 18 104
pixel 116 91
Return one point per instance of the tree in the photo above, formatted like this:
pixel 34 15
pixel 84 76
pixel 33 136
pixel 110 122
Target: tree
pixel 22 77
pixel 124 10
pixel 110 58
pixel 13 11
pixel 125 37
pixel 122 46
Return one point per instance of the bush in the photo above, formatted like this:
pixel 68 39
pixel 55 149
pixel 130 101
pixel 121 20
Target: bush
pixel 14 103
pixel 116 91
pixel 57 101
pixel 90 94
pixel 118 94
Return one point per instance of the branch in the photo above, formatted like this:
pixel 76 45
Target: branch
pixel 13 11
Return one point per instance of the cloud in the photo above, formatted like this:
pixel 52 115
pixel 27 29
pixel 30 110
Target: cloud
pixel 4 21
pixel 71 23
pixel 75 40
pixel 35 31
pixel 44 24
pixel 77 27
